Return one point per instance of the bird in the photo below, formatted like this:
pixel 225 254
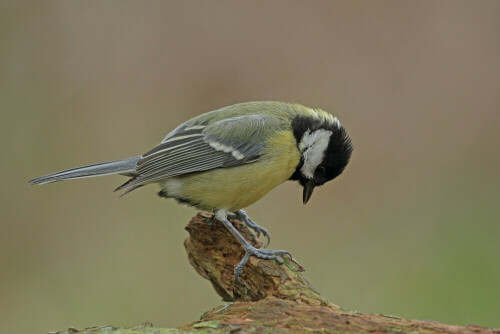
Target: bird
pixel 225 160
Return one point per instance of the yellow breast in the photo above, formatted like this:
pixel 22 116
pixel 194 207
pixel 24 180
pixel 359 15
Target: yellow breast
pixel 238 187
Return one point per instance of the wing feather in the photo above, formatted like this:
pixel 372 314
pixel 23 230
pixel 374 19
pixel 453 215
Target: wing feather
pixel 199 147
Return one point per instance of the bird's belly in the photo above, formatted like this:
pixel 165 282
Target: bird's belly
pixel 233 188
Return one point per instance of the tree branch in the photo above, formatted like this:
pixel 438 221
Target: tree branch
pixel 274 296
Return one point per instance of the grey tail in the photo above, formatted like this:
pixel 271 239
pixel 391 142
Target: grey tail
pixel 124 166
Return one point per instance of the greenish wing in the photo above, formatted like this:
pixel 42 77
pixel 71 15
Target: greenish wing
pixel 197 147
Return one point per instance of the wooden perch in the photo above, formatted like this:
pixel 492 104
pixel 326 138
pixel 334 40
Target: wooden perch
pixel 275 296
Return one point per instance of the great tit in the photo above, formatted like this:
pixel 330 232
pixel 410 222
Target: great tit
pixel 227 159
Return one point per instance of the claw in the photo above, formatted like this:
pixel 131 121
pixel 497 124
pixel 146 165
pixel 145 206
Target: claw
pixel 265 254
pixel 242 216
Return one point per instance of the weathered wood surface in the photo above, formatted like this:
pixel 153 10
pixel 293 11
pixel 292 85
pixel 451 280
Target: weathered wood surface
pixel 275 296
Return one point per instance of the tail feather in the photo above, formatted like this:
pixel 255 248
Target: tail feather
pixel 123 166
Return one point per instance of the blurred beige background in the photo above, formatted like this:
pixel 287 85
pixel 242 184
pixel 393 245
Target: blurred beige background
pixel 411 228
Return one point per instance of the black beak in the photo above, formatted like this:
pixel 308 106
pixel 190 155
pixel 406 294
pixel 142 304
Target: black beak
pixel 308 190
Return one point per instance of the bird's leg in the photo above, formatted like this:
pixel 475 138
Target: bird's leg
pixel 243 217
pixel 266 254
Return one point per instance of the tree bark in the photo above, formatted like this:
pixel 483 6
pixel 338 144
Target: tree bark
pixel 275 295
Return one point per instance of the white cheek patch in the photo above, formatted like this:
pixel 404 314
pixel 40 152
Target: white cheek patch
pixel 313 146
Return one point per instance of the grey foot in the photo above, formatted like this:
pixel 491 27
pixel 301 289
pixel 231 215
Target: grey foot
pixel 242 216
pixel 265 254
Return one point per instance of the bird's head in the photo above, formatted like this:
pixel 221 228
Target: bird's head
pixel 325 150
